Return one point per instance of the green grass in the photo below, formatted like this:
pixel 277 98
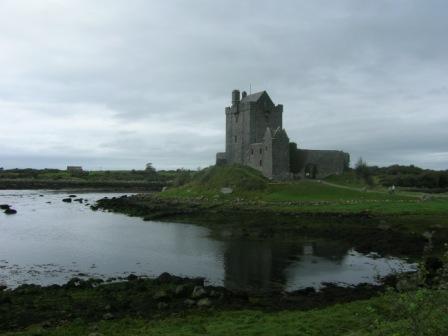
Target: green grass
pixel 347 179
pixel 423 312
pixel 244 181
pixel 237 177
pixel 91 176
pixel 320 197
pixel 304 195
pixel 310 190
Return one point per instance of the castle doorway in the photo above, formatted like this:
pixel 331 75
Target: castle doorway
pixel 311 171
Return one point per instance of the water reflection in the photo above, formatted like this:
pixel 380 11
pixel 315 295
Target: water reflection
pixel 49 241
pixel 267 265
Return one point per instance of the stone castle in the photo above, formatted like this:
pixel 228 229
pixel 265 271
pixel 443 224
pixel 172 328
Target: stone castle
pixel 255 137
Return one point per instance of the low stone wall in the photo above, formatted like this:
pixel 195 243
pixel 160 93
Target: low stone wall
pixel 318 163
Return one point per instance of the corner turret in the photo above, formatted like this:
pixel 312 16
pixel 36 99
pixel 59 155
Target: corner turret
pixel 235 97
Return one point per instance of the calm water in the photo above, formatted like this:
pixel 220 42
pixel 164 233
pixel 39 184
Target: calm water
pixel 50 241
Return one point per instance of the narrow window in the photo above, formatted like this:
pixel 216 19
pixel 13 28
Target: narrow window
pixel 252 151
pixel 235 138
pixel 261 163
pixel 261 151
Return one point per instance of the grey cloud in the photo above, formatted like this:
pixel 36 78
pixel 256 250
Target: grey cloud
pixel 364 77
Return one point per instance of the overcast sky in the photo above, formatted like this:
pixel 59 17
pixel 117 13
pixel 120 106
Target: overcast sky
pixel 113 84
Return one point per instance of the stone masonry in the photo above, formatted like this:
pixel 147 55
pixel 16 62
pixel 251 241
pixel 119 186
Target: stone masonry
pixel 255 137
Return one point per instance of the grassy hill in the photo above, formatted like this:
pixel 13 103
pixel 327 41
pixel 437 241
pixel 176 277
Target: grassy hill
pixel 239 178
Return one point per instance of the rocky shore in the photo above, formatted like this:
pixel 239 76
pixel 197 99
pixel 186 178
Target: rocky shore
pixel 95 300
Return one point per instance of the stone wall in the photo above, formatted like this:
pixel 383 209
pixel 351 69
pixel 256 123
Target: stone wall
pixel 280 155
pixel 255 156
pixel 317 163
pixel 264 114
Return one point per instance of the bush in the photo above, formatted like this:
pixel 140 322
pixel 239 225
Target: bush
pixel 182 177
pixel 363 171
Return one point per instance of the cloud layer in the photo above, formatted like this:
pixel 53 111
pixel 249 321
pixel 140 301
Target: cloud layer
pixel 116 84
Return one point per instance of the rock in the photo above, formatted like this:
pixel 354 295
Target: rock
pixel 165 278
pixel 162 305
pixel 426 197
pixel 4 206
pixel 428 234
pixel 10 211
pixel 108 316
pixel 132 277
pixel 72 196
pixel 226 190
pixel 46 324
pixel 214 293
pixel 198 292
pixel 204 302
pixel 161 295
pixel 79 200
pixel 384 227
pixel 164 189
pixel 189 302
pixel 67 200
pixel 181 290
pixel 433 265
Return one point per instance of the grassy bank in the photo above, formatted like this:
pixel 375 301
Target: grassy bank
pixel 253 207
pixel 343 194
pixel 422 312
pixel 144 180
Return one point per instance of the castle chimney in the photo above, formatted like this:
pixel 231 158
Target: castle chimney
pixel 244 94
pixel 235 96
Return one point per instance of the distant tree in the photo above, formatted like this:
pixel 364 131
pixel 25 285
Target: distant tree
pixel 150 168
pixel 347 163
pixel 363 171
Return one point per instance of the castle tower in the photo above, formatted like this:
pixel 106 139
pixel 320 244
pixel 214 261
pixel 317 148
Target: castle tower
pixel 246 122
pixel 255 137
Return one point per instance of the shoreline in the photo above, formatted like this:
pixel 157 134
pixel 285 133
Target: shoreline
pixel 367 232
pixel 95 303
pixel 94 300
pixel 29 184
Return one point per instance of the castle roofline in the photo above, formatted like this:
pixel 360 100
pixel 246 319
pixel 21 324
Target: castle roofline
pixel 254 97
